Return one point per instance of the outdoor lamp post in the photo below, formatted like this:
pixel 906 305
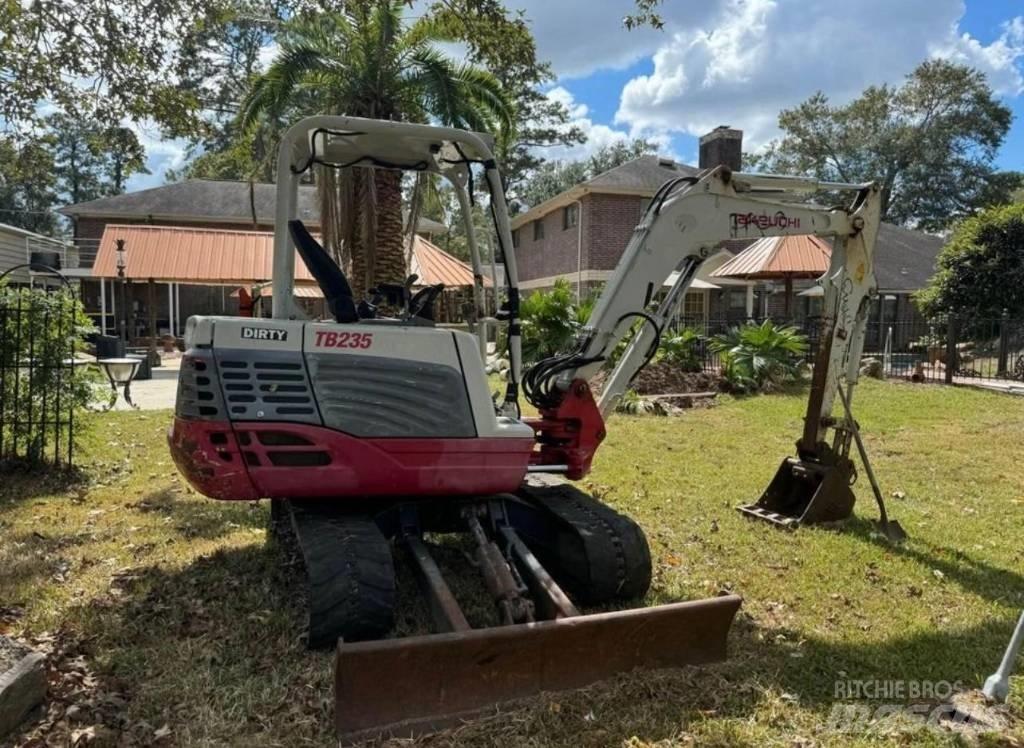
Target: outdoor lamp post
pixel 122 263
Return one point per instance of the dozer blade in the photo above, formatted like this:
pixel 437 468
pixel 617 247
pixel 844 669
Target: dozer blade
pixel 412 686
pixel 805 493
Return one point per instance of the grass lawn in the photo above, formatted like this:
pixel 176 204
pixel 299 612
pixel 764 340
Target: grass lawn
pixel 171 618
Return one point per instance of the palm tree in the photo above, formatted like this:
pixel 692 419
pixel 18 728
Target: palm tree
pixel 366 62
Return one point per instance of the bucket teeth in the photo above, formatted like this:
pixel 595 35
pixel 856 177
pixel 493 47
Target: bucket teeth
pixel 805 492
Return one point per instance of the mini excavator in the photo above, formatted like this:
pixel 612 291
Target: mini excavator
pixel 369 433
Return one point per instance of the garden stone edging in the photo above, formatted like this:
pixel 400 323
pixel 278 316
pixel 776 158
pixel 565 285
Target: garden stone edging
pixel 22 683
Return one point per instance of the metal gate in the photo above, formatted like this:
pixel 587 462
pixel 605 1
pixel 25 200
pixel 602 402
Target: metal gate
pixel 39 387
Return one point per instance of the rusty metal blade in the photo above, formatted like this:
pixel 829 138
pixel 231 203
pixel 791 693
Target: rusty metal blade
pixel 412 686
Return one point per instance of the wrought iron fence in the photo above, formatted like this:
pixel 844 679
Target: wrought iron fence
pixel 707 329
pixel 954 350
pixel 39 384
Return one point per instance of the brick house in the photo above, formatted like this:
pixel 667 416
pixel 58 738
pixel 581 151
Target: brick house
pixel 195 203
pixel 580 234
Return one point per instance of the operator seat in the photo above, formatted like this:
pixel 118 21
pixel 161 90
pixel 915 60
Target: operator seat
pixel 325 270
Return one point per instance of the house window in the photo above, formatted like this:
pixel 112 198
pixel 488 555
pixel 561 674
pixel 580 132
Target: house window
pixel 738 300
pixel 570 216
pixel 693 307
pixel 538 230
pixel 515 239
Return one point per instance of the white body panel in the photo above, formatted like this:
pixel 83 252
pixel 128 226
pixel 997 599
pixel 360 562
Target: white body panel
pixel 452 348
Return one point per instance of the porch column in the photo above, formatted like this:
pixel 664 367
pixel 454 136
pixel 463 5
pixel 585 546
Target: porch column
pixel 152 316
pixel 103 306
pixel 170 307
pixel 750 301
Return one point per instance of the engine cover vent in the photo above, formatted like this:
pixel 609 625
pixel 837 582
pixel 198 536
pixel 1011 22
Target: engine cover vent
pixel 266 386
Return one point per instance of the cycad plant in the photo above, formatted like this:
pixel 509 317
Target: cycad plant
pixel 682 349
pixel 760 357
pixel 551 319
pixel 366 61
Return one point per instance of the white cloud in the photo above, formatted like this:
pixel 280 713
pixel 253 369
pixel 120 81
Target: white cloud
pixel 756 57
pixel 161 155
pixel 740 62
pixel 580 36
pixel 1001 59
pixel 598 135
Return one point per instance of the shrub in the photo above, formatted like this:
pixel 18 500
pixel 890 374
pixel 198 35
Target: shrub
pixel 635 404
pixel 980 271
pixel 40 331
pixel 760 357
pixel 550 321
pixel 682 349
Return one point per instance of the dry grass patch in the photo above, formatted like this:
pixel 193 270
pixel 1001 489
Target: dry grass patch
pixel 170 619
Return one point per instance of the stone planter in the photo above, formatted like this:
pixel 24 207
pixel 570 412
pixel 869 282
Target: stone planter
pixel 22 683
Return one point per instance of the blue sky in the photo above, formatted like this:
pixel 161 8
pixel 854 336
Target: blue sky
pixel 738 62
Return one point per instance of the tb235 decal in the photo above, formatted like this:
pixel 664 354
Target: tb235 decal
pixel 328 339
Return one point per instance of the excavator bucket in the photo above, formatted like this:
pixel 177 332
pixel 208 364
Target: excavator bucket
pixel 804 492
pixel 412 686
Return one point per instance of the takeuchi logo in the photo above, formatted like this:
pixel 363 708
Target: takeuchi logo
pixel 778 220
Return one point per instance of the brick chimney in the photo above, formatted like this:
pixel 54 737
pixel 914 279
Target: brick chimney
pixel 723 145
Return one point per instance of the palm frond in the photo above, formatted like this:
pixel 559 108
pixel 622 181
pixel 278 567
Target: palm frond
pixel 273 91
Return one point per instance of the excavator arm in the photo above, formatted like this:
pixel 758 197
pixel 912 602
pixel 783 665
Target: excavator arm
pixel 683 224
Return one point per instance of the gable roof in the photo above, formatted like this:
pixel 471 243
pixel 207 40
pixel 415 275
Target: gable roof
pixel 641 177
pixel 798 256
pixel 211 200
pixel 904 259
pixel 433 265
pixel 646 173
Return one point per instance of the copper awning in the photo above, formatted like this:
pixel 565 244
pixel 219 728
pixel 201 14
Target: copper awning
pixel 177 254
pixel 778 257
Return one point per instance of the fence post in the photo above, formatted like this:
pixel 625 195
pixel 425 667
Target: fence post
pixel 951 356
pixel 1004 344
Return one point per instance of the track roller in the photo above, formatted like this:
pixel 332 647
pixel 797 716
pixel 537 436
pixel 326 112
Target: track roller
pixel 598 555
pixel 351 575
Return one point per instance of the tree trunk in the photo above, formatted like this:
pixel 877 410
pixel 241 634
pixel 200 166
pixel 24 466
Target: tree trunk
pixel 361 224
pixel 390 256
pixel 359 276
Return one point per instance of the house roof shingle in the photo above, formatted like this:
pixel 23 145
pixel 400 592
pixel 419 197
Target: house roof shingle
pixel 209 200
pixel 905 259
pixel 644 173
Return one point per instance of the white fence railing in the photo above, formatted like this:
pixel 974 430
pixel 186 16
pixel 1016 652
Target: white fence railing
pixel 77 254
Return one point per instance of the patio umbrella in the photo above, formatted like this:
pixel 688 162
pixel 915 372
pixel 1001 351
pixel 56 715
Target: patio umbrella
pixel 779 258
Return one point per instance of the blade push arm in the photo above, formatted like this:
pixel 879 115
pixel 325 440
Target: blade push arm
pixel 684 222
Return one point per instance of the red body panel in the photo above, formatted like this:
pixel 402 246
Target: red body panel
pixel 250 460
pixel 571 433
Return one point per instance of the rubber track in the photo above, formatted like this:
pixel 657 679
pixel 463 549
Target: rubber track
pixel 598 555
pixel 351 576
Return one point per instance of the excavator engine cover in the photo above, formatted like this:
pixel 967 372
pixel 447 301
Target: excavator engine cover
pixel 806 492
